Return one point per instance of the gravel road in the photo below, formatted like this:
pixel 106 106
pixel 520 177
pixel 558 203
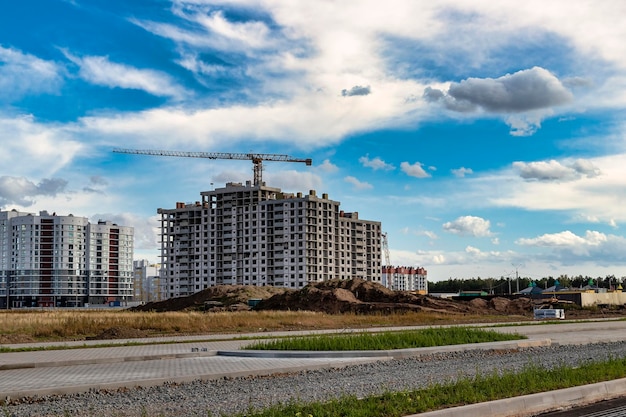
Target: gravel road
pixel 226 396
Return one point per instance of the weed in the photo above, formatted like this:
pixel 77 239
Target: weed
pixel 386 340
pixel 480 388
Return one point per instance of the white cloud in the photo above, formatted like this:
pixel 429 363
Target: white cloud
pixel 556 171
pixel 324 50
pixel 581 191
pixel 146 230
pixel 21 191
pixel 414 170
pixel 359 185
pixel 212 29
pixel 24 74
pixel 468 226
pixel 565 239
pixel 462 172
pixel 42 150
pixel 375 163
pixel 305 117
pixel 594 245
pixel 294 180
pixel 99 70
pixel 327 166
pixel 429 234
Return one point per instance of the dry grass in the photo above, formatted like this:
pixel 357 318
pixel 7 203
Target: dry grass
pixel 56 325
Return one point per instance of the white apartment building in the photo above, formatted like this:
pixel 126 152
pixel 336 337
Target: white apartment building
pixel 147 281
pixel 61 261
pixel 259 235
pixel 406 278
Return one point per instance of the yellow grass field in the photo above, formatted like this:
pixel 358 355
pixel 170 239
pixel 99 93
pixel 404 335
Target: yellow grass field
pixel 17 326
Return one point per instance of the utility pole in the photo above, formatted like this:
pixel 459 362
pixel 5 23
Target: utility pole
pixel 516 277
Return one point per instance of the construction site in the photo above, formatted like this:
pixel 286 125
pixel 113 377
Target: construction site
pixel 251 246
pixel 356 296
pixel 253 234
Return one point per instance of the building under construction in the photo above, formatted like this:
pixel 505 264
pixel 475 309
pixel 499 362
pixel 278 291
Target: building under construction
pixel 252 234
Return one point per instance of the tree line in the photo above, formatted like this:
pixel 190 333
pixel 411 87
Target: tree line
pixel 507 285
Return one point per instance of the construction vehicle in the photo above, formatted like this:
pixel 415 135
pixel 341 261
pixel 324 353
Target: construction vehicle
pixel 256 158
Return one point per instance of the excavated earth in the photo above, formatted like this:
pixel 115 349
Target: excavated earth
pixel 350 296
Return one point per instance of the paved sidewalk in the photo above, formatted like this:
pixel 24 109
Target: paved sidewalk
pixel 80 368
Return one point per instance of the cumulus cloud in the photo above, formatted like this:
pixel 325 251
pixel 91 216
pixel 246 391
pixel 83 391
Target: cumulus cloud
pixel 327 166
pixel 294 180
pixel 556 171
pixel 21 191
pixel 357 90
pixel 359 185
pixel 375 163
pixel 468 226
pixel 594 245
pixel 526 90
pixel 146 230
pixel 414 170
pixel 526 97
pixel 462 172
pixel 99 70
pixel 22 74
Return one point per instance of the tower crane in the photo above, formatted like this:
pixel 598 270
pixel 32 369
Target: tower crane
pixel 256 158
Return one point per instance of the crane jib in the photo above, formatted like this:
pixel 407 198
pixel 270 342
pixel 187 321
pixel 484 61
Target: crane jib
pixel 256 158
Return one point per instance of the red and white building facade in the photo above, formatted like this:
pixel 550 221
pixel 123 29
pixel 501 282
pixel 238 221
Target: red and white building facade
pixel 63 261
pixel 406 278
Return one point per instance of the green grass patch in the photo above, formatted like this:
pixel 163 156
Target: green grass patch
pixel 532 379
pixel 386 340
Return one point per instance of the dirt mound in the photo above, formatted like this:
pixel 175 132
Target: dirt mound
pixel 333 297
pixel 479 303
pixel 16 338
pixel 520 306
pixel 226 297
pixel 114 333
pixel 499 304
pixel 360 296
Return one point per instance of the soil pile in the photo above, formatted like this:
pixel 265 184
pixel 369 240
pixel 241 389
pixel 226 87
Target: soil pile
pixel 113 333
pixel 220 297
pixel 360 296
pixel 334 297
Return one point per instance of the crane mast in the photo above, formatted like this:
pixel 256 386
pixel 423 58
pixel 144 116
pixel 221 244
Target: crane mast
pixel 256 158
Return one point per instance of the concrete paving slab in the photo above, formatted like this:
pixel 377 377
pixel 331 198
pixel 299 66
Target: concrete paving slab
pixel 182 359
pixel 20 383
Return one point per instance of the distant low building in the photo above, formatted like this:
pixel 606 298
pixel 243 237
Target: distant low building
pixel 63 261
pixel 406 278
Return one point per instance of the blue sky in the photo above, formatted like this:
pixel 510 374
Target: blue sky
pixel 487 137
